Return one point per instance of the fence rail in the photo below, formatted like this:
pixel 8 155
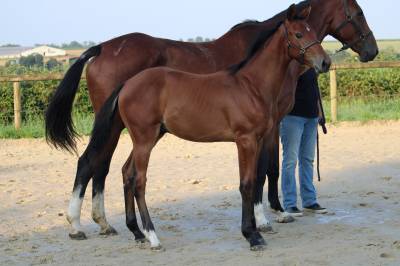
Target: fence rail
pixel 59 76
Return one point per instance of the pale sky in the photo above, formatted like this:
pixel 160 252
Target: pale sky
pixel 27 22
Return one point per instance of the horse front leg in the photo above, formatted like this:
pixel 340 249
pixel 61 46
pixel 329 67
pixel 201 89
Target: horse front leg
pixel 248 149
pixel 262 223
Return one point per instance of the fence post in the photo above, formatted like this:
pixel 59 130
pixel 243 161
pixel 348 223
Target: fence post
pixel 17 105
pixel 333 85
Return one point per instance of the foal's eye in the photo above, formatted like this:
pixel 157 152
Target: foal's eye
pixel 299 35
pixel 361 14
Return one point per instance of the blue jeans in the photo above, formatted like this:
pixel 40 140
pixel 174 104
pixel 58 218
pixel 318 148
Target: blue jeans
pixel 298 136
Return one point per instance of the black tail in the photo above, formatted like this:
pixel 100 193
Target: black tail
pixel 103 123
pixel 60 130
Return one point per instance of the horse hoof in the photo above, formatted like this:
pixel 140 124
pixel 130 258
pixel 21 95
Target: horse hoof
pixel 110 231
pixel 158 248
pixel 266 228
pixel 285 218
pixel 258 247
pixel 77 236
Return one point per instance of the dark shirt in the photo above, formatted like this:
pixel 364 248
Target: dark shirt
pixel 306 99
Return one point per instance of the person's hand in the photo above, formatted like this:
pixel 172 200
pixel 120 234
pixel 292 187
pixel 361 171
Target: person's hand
pixel 322 123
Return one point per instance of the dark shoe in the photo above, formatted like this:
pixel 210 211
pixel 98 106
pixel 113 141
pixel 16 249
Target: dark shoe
pixel 294 211
pixel 316 208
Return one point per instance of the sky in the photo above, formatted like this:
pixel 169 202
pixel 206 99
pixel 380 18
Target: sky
pixel 28 22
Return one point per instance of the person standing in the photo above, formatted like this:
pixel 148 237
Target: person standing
pixel 298 136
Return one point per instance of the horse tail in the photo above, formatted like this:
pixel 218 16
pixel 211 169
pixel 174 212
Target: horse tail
pixel 60 131
pixel 103 123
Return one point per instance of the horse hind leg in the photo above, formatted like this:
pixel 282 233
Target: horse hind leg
pixel 98 210
pixel 129 176
pixel 141 155
pixel 101 162
pixel 83 175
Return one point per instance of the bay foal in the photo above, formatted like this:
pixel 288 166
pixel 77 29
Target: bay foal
pixel 238 105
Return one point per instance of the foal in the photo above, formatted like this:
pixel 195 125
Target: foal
pixel 236 105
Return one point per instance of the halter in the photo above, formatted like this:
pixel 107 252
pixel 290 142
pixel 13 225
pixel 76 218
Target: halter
pixel 350 20
pixel 302 50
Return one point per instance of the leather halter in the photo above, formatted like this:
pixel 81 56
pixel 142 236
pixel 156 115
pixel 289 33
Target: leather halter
pixel 302 50
pixel 350 19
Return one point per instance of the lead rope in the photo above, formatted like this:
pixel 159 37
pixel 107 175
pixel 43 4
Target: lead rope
pixel 322 123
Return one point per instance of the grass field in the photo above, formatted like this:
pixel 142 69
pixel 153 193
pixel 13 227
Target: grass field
pixel 349 109
pixel 382 44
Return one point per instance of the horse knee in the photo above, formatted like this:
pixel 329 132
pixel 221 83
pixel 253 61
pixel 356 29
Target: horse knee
pixel 246 187
pixel 140 184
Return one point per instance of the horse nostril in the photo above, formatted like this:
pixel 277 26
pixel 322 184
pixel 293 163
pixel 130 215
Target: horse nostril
pixel 325 65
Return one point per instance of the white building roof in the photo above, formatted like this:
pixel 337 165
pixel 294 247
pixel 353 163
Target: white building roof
pixel 17 52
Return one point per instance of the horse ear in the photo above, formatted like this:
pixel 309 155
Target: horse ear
pixel 291 13
pixel 305 13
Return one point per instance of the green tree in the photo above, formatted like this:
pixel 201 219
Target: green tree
pixel 52 64
pixel 31 60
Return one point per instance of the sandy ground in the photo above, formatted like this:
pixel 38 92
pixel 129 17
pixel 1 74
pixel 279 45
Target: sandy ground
pixel 195 204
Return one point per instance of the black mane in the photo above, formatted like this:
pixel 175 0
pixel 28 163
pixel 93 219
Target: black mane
pixel 247 22
pixel 256 45
pixel 263 36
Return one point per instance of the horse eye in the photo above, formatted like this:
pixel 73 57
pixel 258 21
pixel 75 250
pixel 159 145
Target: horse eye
pixel 361 14
pixel 299 35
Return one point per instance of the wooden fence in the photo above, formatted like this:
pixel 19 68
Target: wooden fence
pixel 333 84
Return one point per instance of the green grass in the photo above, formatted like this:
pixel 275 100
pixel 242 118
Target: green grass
pixel 357 109
pixel 382 44
pixel 349 109
pixel 34 127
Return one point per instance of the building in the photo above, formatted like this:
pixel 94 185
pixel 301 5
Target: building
pixel 14 53
pixel 45 51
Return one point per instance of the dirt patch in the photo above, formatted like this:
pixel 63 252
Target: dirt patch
pixel 193 198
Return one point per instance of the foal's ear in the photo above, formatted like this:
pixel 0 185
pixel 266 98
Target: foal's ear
pixel 291 13
pixel 305 13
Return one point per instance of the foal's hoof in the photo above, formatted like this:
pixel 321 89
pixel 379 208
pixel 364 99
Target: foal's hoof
pixel 77 236
pixel 258 248
pixel 110 231
pixel 257 242
pixel 284 218
pixel 141 243
pixel 266 228
pixel 158 248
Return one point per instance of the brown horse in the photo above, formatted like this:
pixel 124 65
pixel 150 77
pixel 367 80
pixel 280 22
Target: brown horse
pixel 237 105
pixel 123 57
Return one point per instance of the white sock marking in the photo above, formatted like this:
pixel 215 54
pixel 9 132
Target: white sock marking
pixel 98 212
pixel 152 237
pixel 261 220
pixel 74 210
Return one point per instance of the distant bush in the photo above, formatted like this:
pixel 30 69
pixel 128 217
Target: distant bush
pixel 34 60
pixel 53 64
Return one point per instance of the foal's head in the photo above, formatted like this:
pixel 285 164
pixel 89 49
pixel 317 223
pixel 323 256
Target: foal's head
pixel 302 41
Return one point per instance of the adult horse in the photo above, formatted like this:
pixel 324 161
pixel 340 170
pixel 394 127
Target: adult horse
pixel 121 58
pixel 236 105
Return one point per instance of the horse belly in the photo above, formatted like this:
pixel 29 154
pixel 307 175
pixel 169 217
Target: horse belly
pixel 198 127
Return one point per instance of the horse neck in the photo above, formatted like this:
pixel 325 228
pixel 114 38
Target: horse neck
pixel 232 47
pixel 320 19
pixel 265 72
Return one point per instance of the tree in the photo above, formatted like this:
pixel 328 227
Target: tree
pixel 52 64
pixel 199 39
pixel 31 60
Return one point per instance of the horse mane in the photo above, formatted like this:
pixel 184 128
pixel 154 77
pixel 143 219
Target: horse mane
pixel 263 36
pixel 256 45
pixel 280 16
pixel 247 22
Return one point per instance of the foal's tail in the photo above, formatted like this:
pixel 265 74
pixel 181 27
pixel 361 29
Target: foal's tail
pixel 103 123
pixel 60 131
